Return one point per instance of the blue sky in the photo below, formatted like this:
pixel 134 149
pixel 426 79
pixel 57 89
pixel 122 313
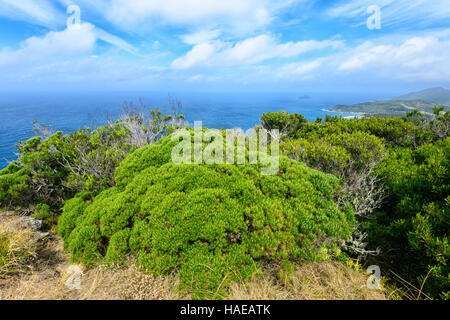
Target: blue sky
pixel 224 45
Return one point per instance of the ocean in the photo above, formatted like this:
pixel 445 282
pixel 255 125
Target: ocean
pixel 70 111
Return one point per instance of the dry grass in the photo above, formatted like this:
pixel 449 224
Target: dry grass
pixel 46 277
pixel 314 281
pixel 17 247
pixel 99 283
pixel 44 270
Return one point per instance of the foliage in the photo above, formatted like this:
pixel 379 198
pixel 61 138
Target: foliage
pixel 44 212
pixel 393 131
pixel 53 167
pixel 37 177
pixel 438 125
pixel 349 156
pixel 52 170
pixel 416 216
pixel 395 172
pixel 286 123
pixel 212 224
pixel 337 153
pixel 13 186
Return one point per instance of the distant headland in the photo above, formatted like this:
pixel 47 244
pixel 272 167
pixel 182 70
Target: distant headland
pixel 423 101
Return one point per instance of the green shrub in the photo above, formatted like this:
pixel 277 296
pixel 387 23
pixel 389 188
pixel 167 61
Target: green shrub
pixel 436 126
pixel 413 224
pixel 44 212
pixel 42 174
pixel 53 167
pixel 393 131
pixel 410 185
pixel 336 153
pixel 212 224
pixel 13 186
pixel 287 123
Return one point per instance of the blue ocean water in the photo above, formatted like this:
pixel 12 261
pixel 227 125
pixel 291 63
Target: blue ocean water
pixel 74 110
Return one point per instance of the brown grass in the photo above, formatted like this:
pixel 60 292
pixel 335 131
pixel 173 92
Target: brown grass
pixel 314 281
pixel 17 247
pixel 46 276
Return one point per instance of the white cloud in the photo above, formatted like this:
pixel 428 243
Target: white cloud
pixel 388 60
pixel 115 41
pixel 65 58
pixel 424 57
pixel 230 41
pixel 41 12
pixel 132 12
pixel 395 12
pixel 354 8
pixel 231 15
pixel 53 47
pixel 200 36
pixel 201 53
pixel 298 69
pixel 44 13
pixel 249 51
pixel 197 77
pixel 364 55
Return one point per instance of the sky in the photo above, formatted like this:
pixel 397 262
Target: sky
pixel 224 45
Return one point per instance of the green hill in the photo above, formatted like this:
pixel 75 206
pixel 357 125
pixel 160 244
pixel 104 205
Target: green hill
pixel 437 95
pixel 423 101
pixel 391 107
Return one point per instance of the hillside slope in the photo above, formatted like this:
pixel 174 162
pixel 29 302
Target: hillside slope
pixel 388 107
pixel 423 101
pixel 437 95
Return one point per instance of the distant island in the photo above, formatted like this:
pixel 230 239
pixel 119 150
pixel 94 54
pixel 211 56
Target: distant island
pixel 304 97
pixel 423 101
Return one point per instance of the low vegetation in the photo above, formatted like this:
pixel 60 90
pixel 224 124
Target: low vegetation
pixel 49 269
pixel 371 190
pixel 396 175
pixel 17 248
pixel 212 224
pixel 53 167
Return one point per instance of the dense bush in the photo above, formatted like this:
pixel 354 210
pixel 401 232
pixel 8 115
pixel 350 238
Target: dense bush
pixel 393 131
pixel 53 167
pixel 396 173
pixel 287 123
pixel 51 170
pixel 36 177
pixel 45 213
pixel 213 224
pixel 414 222
pixel 336 153
pixel 436 126
pixel 349 156
pixel 210 223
